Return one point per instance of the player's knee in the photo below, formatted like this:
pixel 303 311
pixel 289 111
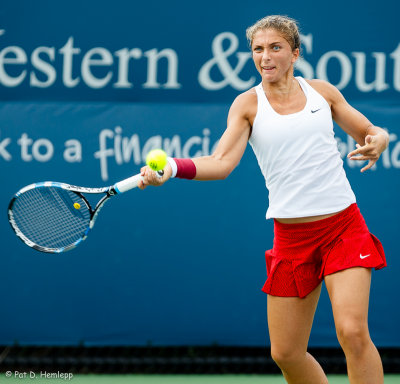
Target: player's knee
pixel 353 336
pixel 286 356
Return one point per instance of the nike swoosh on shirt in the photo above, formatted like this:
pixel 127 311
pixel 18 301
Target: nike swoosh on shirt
pixel 315 110
pixel 363 257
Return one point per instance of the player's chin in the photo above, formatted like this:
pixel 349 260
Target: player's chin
pixel 270 77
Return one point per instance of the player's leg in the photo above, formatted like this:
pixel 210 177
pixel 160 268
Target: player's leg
pixel 349 294
pixel 289 321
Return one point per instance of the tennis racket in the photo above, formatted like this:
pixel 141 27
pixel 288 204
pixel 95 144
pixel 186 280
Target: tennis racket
pixel 56 217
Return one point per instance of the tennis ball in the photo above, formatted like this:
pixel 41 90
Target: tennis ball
pixel 77 206
pixel 156 159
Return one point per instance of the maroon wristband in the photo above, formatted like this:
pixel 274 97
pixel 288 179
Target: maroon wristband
pixel 186 168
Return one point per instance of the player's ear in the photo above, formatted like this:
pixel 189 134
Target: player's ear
pixel 296 54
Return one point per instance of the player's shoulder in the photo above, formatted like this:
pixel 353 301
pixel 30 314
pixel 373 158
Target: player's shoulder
pixel 249 96
pixel 326 89
pixel 245 105
pixel 319 84
pixel 245 101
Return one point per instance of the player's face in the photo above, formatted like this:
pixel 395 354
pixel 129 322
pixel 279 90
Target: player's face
pixel 272 55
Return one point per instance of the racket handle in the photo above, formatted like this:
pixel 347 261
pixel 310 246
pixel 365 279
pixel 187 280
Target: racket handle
pixel 127 184
pixel 131 182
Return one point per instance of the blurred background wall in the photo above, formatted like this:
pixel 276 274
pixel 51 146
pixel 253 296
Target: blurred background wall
pixel 88 88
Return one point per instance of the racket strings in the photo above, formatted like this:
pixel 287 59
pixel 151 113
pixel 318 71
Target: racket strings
pixel 48 217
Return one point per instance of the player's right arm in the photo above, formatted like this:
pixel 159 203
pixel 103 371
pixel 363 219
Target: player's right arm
pixel 233 142
pixel 229 150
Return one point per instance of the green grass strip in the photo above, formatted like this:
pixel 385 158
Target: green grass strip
pixel 54 378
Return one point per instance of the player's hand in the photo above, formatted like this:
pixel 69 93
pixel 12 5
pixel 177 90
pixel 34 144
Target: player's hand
pixel 371 151
pixel 150 177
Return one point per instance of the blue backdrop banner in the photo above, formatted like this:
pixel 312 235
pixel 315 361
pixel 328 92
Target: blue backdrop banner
pixel 87 89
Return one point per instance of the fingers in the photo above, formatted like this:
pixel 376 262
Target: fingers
pixel 365 155
pixel 371 161
pixel 361 150
pixel 370 164
pixel 362 158
pixel 367 152
pixel 141 184
pixel 355 152
pixel 150 177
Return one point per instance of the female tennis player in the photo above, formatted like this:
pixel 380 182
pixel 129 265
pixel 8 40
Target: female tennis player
pixel 319 232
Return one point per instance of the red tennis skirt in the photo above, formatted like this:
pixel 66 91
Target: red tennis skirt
pixel 303 253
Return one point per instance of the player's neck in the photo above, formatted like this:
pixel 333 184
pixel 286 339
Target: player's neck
pixel 282 89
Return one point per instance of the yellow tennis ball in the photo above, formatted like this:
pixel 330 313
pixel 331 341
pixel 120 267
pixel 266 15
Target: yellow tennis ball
pixel 156 159
pixel 77 206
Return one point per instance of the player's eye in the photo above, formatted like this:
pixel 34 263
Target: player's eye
pixel 276 47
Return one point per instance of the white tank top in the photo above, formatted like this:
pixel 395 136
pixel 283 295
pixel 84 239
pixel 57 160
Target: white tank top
pixel 299 158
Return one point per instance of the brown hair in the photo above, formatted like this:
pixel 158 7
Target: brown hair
pixel 285 25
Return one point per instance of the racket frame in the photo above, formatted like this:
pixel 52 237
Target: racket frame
pixel 108 191
pixel 118 188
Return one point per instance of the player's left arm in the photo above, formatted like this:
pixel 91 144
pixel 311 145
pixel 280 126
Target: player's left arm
pixel 371 140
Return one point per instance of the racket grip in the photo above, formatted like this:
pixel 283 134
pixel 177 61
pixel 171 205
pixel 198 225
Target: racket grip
pixel 127 184
pixel 131 182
